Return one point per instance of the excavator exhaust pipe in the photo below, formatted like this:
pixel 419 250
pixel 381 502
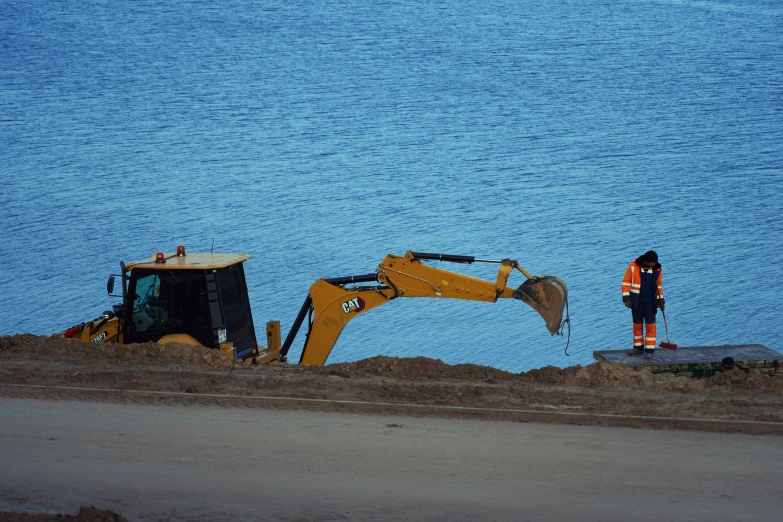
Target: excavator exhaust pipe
pixel 548 296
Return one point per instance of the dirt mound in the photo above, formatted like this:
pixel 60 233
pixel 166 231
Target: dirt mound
pixel 616 375
pixel 597 375
pixel 145 353
pixel 85 514
pixel 415 368
pixel 593 375
pixel 739 380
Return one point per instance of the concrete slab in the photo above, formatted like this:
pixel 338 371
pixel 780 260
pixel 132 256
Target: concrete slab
pixel 698 360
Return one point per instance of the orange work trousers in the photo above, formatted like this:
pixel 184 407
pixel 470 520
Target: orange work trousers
pixel 644 314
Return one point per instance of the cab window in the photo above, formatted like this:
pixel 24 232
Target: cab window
pixel 150 310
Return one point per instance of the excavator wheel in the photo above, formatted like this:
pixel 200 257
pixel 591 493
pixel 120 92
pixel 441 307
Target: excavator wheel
pixel 547 295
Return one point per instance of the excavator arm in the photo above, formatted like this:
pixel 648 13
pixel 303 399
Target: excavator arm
pixel 332 302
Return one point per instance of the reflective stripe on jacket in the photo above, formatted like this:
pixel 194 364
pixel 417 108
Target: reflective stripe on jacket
pixel 632 280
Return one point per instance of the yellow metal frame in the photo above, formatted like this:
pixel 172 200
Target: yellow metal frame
pixel 403 276
pixel 180 338
pixel 94 331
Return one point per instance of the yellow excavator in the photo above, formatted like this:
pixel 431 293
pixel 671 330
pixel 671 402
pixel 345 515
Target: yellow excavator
pixel 202 299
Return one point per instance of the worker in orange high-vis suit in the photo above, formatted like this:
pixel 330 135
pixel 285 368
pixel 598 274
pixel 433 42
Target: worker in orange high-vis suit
pixel 643 294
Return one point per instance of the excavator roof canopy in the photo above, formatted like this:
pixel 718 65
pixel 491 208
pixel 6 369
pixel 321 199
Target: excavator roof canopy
pixel 188 262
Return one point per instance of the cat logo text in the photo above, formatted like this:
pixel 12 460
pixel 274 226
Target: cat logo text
pixel 354 305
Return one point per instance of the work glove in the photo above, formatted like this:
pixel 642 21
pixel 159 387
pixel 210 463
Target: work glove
pixel 661 305
pixel 627 304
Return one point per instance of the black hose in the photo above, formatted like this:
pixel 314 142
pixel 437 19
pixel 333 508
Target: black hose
pixel 233 362
pixel 562 327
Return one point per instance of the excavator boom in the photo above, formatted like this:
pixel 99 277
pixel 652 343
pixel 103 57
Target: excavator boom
pixel 332 302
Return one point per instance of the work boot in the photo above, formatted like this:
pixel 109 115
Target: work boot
pixel 635 351
pixel 648 356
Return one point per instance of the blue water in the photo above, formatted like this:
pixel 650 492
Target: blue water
pixel 320 136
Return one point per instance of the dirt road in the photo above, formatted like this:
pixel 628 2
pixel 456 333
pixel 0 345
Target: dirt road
pixel 175 462
pixel 174 433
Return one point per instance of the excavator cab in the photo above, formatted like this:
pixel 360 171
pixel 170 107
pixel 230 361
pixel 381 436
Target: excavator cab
pixel 197 299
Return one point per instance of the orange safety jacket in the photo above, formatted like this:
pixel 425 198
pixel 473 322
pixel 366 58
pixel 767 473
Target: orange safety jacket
pixel 632 281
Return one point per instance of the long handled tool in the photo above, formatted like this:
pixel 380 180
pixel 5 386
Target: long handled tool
pixel 667 344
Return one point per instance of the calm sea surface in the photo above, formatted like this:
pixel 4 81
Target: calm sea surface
pixel 320 136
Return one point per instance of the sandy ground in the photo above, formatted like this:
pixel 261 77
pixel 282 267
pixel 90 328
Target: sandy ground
pixel 172 433
pixel 175 462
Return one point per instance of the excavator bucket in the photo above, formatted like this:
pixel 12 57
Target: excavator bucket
pixel 548 296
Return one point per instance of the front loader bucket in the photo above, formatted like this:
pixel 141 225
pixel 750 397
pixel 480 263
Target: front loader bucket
pixel 548 296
